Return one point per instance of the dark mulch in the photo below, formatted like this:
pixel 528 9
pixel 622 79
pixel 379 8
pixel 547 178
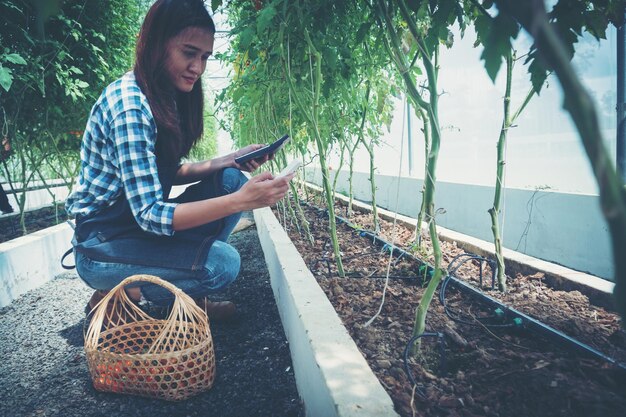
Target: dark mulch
pixel 44 372
pixel 488 372
pixel 34 220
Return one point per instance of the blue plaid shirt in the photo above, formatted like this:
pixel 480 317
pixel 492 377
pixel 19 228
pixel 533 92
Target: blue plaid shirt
pixel 118 159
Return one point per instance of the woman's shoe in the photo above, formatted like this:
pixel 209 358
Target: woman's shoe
pixel 118 316
pixel 94 300
pixel 217 310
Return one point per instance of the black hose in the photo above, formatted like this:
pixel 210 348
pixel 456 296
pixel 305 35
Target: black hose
pixel 444 285
pixel 442 356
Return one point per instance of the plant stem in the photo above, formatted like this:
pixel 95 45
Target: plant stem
pixel 312 118
pixel 577 101
pixel 420 217
pixel 429 58
pixel 494 211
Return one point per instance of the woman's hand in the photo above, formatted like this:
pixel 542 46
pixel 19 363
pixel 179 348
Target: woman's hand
pixel 196 171
pixel 251 165
pixel 264 190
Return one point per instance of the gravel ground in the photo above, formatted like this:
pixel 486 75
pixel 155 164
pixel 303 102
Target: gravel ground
pixel 43 371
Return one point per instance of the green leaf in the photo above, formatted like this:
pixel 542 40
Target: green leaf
pixel 569 15
pixel 245 40
pixel 327 87
pixel 444 13
pixel 216 4
pixel 596 24
pixel 252 56
pixel 447 38
pixel 363 30
pixel 498 43
pixel 493 61
pixel 266 15
pixel 413 4
pixel 482 26
pixel 237 94
pixel 6 78
pixel 537 70
pixel 329 56
pixel 15 59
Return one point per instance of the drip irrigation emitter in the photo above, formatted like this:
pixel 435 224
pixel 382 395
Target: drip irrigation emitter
pixel 517 318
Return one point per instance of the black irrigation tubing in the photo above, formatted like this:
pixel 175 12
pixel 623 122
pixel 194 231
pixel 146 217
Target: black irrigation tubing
pixel 360 255
pixel 527 322
pixel 469 257
pixel 533 324
pixel 362 233
pixel 539 327
pixel 452 268
pixel 442 357
pixel 456 316
pixel 385 245
pixel 407 277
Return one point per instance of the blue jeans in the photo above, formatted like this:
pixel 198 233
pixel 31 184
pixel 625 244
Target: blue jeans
pixel 220 269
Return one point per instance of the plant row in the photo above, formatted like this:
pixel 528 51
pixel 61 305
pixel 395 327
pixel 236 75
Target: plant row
pixel 326 72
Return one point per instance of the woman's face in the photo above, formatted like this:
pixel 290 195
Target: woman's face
pixel 186 56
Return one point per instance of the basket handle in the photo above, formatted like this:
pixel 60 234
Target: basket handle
pixel 152 279
pixel 118 291
pixel 183 305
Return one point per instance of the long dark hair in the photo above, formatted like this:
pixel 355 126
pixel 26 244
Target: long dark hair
pixel 178 115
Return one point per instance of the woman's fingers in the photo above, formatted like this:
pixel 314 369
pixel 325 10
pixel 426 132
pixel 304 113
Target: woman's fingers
pixel 265 190
pixel 282 186
pixel 254 164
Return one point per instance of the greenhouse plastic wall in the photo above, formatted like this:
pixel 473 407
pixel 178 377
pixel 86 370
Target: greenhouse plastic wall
pixel 550 206
pixel 544 150
pixel 563 228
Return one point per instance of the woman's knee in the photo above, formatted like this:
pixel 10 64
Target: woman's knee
pixel 99 275
pixel 222 265
pixel 233 179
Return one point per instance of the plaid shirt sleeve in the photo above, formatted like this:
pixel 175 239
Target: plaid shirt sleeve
pixel 133 134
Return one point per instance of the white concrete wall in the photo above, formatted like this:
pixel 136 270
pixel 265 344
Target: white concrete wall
pixel 30 261
pixel 567 229
pixel 37 198
pixel 333 377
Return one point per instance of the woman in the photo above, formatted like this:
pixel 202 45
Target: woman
pixel 137 133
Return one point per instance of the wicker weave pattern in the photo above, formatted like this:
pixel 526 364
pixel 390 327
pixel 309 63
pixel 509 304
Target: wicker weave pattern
pixel 130 352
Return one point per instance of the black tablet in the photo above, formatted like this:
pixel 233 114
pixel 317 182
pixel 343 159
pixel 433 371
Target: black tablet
pixel 269 149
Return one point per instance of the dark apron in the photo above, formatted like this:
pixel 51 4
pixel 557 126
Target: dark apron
pixel 113 235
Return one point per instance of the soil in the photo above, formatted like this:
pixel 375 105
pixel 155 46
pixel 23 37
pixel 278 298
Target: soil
pixel 488 371
pixel 44 372
pixel 11 228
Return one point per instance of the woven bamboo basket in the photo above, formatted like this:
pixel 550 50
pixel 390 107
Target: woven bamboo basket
pixel 130 352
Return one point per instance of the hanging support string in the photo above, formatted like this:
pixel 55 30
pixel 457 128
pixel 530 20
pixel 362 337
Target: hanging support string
pixel 395 218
